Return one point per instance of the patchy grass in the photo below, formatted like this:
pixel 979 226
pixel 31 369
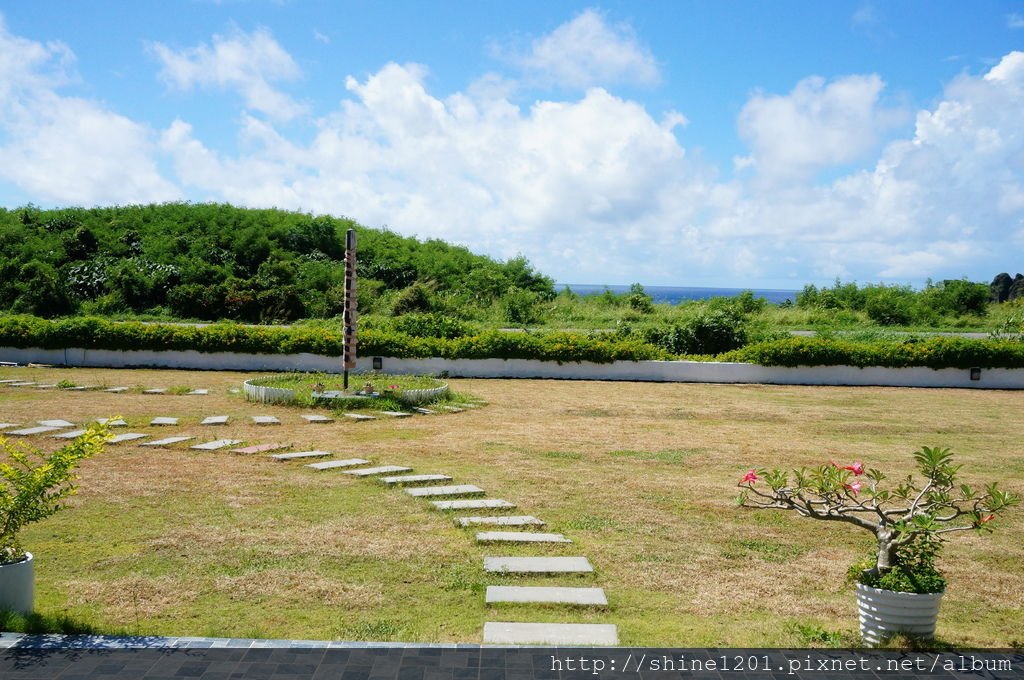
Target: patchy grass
pixel 179 542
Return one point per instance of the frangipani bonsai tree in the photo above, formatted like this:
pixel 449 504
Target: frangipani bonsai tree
pixel 909 520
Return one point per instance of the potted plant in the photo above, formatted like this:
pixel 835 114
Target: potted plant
pixel 899 587
pixel 32 487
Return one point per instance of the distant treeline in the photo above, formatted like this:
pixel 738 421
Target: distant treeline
pixel 213 261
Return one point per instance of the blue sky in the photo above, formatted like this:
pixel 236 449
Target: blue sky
pixel 671 143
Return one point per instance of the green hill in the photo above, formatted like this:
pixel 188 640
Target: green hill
pixel 213 261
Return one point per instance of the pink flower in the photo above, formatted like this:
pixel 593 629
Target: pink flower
pixel 987 518
pixel 855 487
pixel 857 468
pixel 750 477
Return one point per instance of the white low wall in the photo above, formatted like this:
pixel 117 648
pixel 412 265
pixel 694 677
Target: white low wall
pixel 654 371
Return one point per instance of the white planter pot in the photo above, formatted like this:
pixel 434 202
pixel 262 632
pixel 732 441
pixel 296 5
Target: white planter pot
pixel 17 585
pixel 884 613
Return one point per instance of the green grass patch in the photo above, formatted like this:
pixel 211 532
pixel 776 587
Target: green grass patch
pixel 668 456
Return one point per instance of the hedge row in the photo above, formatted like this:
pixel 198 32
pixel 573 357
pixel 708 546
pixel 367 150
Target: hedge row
pixel 96 333
pixel 932 352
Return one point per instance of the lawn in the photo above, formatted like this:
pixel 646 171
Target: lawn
pixel 640 476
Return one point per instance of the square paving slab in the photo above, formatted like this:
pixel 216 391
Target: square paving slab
pixel 79 388
pixel 266 420
pixel 46 387
pixel 260 448
pixel 29 431
pixel 396 414
pixel 216 444
pixel 478 504
pixel 594 597
pixel 519 537
pixel 538 565
pixel 454 490
pixel 359 416
pixel 566 634
pixel 197 392
pixel 4 426
pixel 127 437
pixel 69 435
pixel 155 390
pixel 162 420
pixel 317 419
pixel 215 420
pixel 300 455
pixel 20 384
pixel 9 381
pixel 502 521
pixel 415 479
pixel 111 423
pixel 332 464
pixel 55 423
pixel 116 390
pixel 424 411
pixel 384 469
pixel 167 441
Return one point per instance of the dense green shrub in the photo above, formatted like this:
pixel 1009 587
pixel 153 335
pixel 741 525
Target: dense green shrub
pixel 431 326
pixel 520 306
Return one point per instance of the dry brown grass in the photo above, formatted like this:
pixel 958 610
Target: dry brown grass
pixel 641 476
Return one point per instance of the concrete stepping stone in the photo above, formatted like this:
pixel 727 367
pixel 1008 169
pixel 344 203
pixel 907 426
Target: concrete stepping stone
pixel 4 426
pixel 502 521
pixel 79 388
pixel 519 537
pixel 452 409
pixel 396 414
pixel 301 454
pixel 424 411
pixel 454 490
pixel 116 390
pixel 478 504
pixel 216 444
pixel 564 634
pixel 69 435
pixel 112 423
pixel 167 441
pixel 589 597
pixel 358 416
pixel 155 390
pixel 197 392
pixel 163 420
pixel 334 464
pixel 46 387
pixel 317 419
pixel 55 423
pixel 384 469
pixel 260 448
pixel 29 431
pixel 266 420
pixel 9 381
pixel 126 437
pixel 414 479
pixel 538 565
pixel 234 390
pixel 215 420
pixel 20 384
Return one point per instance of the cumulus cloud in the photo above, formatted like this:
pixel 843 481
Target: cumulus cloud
pixel 585 52
pixel 245 62
pixel 67 149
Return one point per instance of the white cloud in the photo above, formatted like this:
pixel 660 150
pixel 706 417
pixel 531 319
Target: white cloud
pixel 246 62
pixel 67 149
pixel 588 51
pixel 321 37
pixel 1014 20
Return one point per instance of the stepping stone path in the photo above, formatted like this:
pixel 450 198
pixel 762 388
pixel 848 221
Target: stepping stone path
pixel 55 423
pixel 300 455
pixel 29 431
pixel 579 596
pixel 396 414
pixel 565 634
pixel 155 390
pixel 162 420
pixel 116 390
pixel 197 392
pixel 216 444
pixel 538 565
pixel 215 420
pixel 167 441
pixel 358 416
pixel 519 537
pixel 480 504
pixel 69 435
pixel 112 423
pixel 414 479
pixel 261 448
pixel 366 472
pixel 510 521
pixel 334 464
pixel 317 419
pixel 266 420
pixel 126 437
pixel 456 490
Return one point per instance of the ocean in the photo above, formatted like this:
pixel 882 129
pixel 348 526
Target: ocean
pixel 676 294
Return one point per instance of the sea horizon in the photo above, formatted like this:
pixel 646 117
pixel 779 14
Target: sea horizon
pixel 676 294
